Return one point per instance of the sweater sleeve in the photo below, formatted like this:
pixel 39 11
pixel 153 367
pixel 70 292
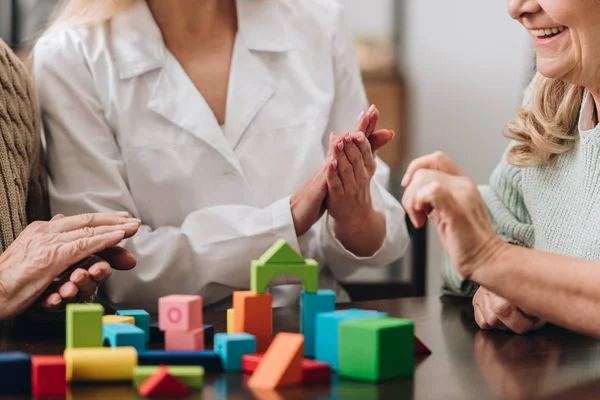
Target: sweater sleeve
pixel 510 218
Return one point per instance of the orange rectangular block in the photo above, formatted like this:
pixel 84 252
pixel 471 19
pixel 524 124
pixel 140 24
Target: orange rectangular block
pixel 282 363
pixel 253 314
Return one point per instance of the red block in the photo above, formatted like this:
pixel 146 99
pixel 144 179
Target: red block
pixel 312 371
pixel 420 347
pixel 161 383
pixel 48 376
pixel 184 341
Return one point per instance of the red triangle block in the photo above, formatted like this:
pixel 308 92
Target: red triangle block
pixel 161 383
pixel 420 347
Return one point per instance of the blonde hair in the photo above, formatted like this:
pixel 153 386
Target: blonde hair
pixel 82 13
pixel 546 127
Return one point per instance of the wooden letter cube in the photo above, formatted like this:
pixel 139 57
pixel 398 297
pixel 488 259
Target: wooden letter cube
pixel 84 325
pixel 180 313
pixel 184 341
pixel 48 376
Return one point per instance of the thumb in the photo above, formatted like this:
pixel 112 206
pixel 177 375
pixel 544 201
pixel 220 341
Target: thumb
pixel 118 258
pixel 380 138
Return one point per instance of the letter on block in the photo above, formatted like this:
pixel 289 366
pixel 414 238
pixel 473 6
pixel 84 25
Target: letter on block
pixel 161 384
pixel 231 348
pixel 377 349
pixel 48 376
pixel 261 275
pixel 327 329
pixel 230 321
pixel 15 373
pixel 282 363
pixel 190 376
pixel 312 304
pixel 84 325
pixel 100 364
pixel 254 315
pixel 141 317
pixel 117 319
pixel 184 341
pixel 123 335
pixel 180 312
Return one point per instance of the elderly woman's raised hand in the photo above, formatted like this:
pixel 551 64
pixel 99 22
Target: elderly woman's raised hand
pixel 44 250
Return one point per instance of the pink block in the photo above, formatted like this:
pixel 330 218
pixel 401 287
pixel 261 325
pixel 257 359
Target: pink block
pixel 184 341
pixel 180 313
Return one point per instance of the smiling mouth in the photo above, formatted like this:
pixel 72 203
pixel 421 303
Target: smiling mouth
pixel 546 33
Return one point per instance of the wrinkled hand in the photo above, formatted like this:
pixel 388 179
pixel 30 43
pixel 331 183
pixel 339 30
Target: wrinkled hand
pixel 435 187
pixel 494 312
pixel 45 249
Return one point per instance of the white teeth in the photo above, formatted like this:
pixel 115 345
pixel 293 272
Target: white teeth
pixel 561 28
pixel 555 30
pixel 548 31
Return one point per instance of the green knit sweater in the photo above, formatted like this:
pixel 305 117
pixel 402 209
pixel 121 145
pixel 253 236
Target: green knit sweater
pixel 553 208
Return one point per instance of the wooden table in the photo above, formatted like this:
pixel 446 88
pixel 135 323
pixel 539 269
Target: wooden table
pixel 466 363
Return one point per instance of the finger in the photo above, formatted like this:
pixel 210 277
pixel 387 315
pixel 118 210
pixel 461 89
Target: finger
pixel 57 217
pixel 344 167
pixel 363 122
pixel 510 315
pixel 86 285
pixel 380 138
pixel 435 161
pixel 479 319
pixel 89 220
pixel 332 137
pixel 490 316
pixel 68 290
pixel 367 155
pixel 373 114
pixel 354 155
pixel 100 272
pixel 118 258
pixel 334 183
pixel 72 252
pixel 52 302
pixel 88 232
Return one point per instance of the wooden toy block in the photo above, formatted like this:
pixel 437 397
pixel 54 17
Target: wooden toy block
pixel 15 373
pixel 103 364
pixel 48 376
pixel 261 275
pixel 312 371
pixel 124 335
pixel 230 320
pixel 117 319
pixel 326 332
pixel 310 305
pixel 84 325
pixel 376 349
pixel 282 363
pixel 280 253
pixel 184 341
pixel 253 314
pixel 156 335
pixel 191 376
pixel 232 346
pixel 162 384
pixel 180 312
pixel 209 360
pixel 141 317
pixel 420 347
pixel 209 334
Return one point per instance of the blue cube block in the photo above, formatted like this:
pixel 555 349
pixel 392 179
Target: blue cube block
pixel 142 319
pixel 209 360
pixel 232 346
pixel 15 373
pixel 327 333
pixel 118 335
pixel 312 304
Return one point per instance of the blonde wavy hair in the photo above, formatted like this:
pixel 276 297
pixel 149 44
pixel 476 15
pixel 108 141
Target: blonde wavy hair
pixel 81 13
pixel 546 127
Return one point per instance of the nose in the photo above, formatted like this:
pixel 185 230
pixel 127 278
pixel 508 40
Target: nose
pixel 519 8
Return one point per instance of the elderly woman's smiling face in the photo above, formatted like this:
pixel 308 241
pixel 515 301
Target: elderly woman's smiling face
pixel 566 34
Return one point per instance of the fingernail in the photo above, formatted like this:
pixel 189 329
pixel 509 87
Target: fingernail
pixel 362 114
pixel 404 179
pixel 371 109
pixel 134 220
pixel 340 145
pixel 133 225
pixel 360 138
pixel 348 139
pixel 122 213
pixel 334 163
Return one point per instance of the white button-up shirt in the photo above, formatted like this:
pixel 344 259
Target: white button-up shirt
pixel 126 129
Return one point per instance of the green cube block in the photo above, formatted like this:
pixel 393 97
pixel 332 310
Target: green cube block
pixel 261 275
pixel 376 349
pixel 190 376
pixel 84 325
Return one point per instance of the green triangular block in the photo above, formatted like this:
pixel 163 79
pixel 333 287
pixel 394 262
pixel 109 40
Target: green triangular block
pixel 280 253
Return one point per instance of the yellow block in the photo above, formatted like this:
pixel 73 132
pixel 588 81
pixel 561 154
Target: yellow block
pixel 100 364
pixel 118 319
pixel 230 320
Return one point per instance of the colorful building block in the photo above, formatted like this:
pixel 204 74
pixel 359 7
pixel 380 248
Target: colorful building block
pixel 230 320
pixel 282 363
pixel 100 364
pixel 48 376
pixel 420 347
pixel 123 335
pixel 162 384
pixel 326 332
pixel 184 341
pixel 117 319
pixel 15 373
pixel 209 333
pixel 84 325
pixel 253 314
pixel 232 346
pixel 141 317
pixel 261 275
pixel 280 253
pixel 180 312
pixel 310 305
pixel 376 349
pixel 312 371
pixel 191 376
pixel 158 336
pixel 209 360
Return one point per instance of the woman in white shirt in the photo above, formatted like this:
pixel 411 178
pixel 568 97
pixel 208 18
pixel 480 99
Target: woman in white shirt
pixel 210 121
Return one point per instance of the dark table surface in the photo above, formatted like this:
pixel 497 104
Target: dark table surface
pixel 466 363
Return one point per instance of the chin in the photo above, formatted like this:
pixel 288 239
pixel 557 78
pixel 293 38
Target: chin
pixel 553 69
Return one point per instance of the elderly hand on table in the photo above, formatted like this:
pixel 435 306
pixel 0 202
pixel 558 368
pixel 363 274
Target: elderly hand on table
pixel 341 185
pixel 44 250
pixel 436 188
